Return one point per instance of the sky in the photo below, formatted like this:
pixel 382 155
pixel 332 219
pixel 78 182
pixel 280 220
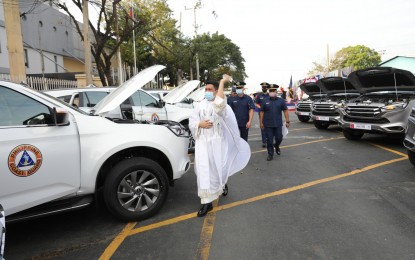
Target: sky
pixel 280 38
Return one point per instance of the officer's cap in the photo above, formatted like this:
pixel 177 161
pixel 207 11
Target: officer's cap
pixel 275 86
pixel 272 89
pixel 265 84
pixel 234 89
pixel 239 87
pixel 240 83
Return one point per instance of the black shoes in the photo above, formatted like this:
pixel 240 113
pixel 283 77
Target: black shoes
pixel 269 158
pixel 264 145
pixel 277 150
pixel 205 209
pixel 225 190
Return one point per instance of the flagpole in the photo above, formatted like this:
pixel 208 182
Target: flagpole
pixel 135 58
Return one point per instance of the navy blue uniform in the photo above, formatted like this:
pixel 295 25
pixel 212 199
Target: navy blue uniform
pixel 241 107
pixel 258 100
pixel 272 121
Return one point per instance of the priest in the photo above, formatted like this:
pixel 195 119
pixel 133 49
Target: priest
pixel 219 150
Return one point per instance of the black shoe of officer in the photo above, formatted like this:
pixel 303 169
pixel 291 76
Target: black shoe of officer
pixel 204 209
pixel 225 190
pixel 264 145
pixel 269 158
pixel 277 150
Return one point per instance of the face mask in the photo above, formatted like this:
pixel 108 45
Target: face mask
pixel 209 96
pixel 264 90
pixel 272 94
pixel 239 91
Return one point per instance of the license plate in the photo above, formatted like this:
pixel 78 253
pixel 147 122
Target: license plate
pixel 303 113
pixel 322 118
pixel 361 126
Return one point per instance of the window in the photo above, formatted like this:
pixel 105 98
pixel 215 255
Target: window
pixel 56 63
pixel 90 99
pixel 147 100
pixel 18 109
pixel 26 58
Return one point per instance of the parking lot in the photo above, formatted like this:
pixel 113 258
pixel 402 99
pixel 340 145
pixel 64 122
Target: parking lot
pixel 324 197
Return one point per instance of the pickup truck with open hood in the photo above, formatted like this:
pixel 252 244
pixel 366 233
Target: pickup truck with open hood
pixel 55 157
pixel 327 111
pixel 303 107
pixel 386 103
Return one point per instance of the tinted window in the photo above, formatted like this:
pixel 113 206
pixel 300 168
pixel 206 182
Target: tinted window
pixel 147 100
pixel 18 109
pixel 66 99
pixel 90 99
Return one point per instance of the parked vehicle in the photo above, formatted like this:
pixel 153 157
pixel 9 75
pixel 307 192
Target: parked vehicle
pixel 157 93
pixel 303 107
pixel 386 103
pixel 55 157
pixel 409 141
pixel 327 111
pixel 140 105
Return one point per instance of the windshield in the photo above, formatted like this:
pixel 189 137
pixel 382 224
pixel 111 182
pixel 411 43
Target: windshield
pixel 64 104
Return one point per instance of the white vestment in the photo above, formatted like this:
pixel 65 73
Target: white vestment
pixel 219 151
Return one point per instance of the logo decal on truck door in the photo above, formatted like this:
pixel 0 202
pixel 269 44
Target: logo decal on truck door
pixel 25 160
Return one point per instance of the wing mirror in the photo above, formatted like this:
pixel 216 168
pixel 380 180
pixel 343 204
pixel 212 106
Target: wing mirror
pixel 161 103
pixel 2 231
pixel 61 116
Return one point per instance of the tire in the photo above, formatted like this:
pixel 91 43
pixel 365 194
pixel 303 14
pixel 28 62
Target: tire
pixel 130 200
pixel 304 119
pixel 321 125
pixel 352 135
pixel 411 157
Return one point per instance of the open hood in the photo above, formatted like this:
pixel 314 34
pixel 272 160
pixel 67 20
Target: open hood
pixel 382 79
pixel 120 94
pixel 198 94
pixel 311 88
pixel 180 92
pixel 335 85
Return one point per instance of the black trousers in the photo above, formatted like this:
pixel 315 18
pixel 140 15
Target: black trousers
pixel 273 133
pixel 244 132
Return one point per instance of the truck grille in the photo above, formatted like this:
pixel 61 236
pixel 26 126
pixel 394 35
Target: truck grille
pixel 366 120
pixel 304 107
pixel 325 110
pixel 363 111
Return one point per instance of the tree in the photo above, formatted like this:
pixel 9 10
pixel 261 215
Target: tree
pixel 358 57
pixel 219 55
pixel 104 46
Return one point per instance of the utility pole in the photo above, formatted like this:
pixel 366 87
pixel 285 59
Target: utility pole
pixel 87 47
pixel 198 5
pixel 120 75
pixel 14 40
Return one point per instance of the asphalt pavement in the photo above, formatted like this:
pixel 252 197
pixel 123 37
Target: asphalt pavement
pixel 324 197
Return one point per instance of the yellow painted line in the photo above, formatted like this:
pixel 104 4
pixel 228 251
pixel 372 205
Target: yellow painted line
pixel 389 150
pixel 311 142
pixel 290 130
pixel 110 250
pixel 264 196
pixel 205 241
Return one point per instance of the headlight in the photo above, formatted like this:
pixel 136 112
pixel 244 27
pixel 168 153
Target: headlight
pixel 178 130
pixel 413 112
pixel 394 106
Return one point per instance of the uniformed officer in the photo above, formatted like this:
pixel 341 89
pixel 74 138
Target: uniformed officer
pixel 258 100
pixel 232 95
pixel 271 120
pixel 243 107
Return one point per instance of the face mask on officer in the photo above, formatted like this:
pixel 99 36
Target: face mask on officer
pixel 239 91
pixel 272 94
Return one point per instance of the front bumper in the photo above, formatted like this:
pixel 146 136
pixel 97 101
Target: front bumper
pixel 302 113
pixel 409 141
pixel 330 119
pixel 389 129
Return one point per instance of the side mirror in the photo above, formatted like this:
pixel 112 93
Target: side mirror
pixel 161 103
pixel 61 116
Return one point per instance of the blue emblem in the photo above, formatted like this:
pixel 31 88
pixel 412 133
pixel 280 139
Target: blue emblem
pixel 26 160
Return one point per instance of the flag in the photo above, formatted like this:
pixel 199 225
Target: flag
pixel 131 11
pixel 291 82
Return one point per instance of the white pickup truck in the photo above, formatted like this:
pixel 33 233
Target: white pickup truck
pixel 55 157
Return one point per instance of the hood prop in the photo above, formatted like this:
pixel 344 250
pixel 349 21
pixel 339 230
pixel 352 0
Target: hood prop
pixel 396 88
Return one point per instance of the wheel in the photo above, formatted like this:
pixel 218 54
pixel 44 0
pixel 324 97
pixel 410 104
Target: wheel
pixel 135 189
pixel 411 156
pixel 352 135
pixel 304 119
pixel 321 125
